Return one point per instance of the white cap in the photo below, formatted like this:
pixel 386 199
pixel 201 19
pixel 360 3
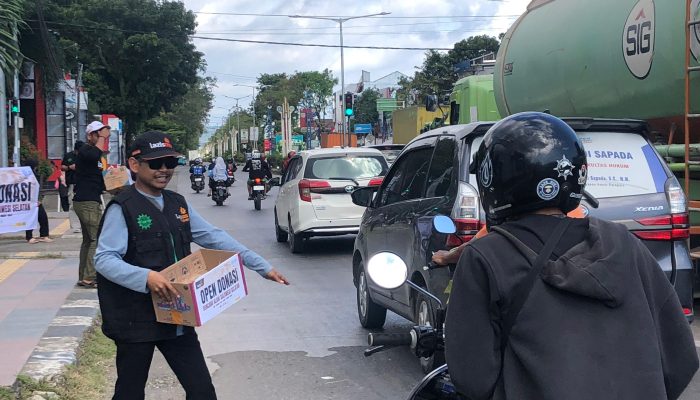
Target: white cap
pixel 95 126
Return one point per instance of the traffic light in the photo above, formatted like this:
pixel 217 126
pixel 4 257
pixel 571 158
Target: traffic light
pixel 348 104
pixel 14 106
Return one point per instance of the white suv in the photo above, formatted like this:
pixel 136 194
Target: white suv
pixel 314 197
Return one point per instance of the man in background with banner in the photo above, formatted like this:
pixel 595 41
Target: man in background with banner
pixel 19 197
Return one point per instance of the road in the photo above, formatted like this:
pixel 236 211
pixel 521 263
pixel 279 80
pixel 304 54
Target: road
pixel 302 341
pixel 298 342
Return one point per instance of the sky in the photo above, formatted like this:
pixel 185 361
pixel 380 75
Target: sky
pixel 412 23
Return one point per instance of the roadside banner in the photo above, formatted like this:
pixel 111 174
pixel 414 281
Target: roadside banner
pixel 19 197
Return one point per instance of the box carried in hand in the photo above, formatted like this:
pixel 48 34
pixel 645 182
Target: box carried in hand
pixel 117 178
pixel 208 281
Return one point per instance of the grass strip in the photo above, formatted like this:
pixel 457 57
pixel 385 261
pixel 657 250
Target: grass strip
pixel 88 379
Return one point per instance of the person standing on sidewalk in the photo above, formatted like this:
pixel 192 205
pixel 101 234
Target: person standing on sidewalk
pixel 68 167
pixel 87 202
pixel 42 216
pixel 144 230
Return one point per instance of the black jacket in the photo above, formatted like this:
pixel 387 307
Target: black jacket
pixel 89 183
pixel 603 322
pixel 257 168
pixel 157 239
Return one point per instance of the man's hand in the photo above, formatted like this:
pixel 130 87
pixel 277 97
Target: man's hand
pixel 440 257
pixel 273 275
pixel 159 285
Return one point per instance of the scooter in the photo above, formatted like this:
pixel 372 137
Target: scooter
pixel 258 192
pixel 389 271
pixel 220 192
pixel 197 182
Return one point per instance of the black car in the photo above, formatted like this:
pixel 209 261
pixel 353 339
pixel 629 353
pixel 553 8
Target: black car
pixel 430 177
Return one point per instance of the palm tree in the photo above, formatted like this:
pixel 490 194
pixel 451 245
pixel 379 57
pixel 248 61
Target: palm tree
pixel 10 19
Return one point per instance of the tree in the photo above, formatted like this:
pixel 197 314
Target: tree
pixel 10 18
pixel 307 89
pixel 189 114
pixel 138 57
pixel 437 75
pixel 365 108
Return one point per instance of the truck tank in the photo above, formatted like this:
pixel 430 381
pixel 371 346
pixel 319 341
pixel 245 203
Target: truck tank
pixel 600 58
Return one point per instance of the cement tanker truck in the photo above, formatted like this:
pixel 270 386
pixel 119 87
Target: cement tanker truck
pixel 600 58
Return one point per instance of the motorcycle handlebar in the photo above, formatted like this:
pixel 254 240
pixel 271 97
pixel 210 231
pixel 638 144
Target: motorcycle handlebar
pixel 390 339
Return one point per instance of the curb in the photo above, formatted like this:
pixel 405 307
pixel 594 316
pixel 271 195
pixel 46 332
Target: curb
pixel 23 255
pixel 59 345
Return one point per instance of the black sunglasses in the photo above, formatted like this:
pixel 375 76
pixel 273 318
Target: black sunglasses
pixel 157 163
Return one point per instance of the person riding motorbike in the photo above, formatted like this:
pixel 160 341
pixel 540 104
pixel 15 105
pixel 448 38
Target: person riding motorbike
pixel 543 306
pixel 231 168
pixel 197 168
pixel 257 168
pixel 218 174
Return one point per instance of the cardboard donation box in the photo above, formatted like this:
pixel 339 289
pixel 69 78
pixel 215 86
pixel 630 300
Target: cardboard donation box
pixel 208 281
pixel 117 178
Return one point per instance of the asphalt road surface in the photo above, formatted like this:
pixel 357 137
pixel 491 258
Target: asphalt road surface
pixel 300 342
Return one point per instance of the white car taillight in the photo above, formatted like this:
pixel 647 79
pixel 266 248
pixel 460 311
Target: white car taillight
pixel 465 215
pixel 676 196
pixel 467 204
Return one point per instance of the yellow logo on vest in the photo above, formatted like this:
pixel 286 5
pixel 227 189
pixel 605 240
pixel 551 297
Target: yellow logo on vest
pixel 144 221
pixel 184 216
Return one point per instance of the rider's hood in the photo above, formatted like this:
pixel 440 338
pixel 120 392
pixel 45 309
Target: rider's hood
pixel 599 267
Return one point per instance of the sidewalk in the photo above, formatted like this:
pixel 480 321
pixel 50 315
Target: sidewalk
pixel 43 316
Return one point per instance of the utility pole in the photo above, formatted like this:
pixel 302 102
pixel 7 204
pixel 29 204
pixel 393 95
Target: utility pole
pixel 15 122
pixel 77 109
pixel 3 121
pixel 340 21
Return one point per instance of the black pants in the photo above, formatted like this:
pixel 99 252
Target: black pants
pixel 43 224
pixel 183 354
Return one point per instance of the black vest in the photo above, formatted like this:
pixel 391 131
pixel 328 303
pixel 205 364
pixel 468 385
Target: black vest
pixel 157 239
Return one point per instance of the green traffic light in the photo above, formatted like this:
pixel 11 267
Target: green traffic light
pixel 348 112
pixel 15 109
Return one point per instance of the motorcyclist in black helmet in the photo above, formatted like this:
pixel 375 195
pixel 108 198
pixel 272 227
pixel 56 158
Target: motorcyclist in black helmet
pixel 549 307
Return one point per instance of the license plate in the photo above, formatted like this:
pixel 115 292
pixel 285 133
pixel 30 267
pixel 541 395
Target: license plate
pixel 258 187
pixel 197 179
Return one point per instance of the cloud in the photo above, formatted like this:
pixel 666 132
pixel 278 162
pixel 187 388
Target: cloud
pixel 232 62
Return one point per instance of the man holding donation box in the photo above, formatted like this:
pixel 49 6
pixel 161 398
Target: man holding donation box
pixel 144 230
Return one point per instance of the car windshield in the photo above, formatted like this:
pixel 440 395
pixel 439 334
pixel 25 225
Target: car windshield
pixel 621 164
pixel 345 167
pixel 391 155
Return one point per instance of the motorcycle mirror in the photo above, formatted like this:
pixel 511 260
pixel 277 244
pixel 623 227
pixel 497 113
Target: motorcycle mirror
pixel 387 270
pixel 444 224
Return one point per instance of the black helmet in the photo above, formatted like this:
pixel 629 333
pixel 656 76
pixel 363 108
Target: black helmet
pixel 529 161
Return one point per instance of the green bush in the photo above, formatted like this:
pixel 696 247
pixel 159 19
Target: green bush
pixel 275 160
pixel 28 151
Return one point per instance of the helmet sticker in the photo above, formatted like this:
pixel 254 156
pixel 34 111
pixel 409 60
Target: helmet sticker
pixel 564 168
pixel 547 189
pixel 582 175
pixel 486 171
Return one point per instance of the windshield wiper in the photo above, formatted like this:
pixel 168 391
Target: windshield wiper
pixel 340 178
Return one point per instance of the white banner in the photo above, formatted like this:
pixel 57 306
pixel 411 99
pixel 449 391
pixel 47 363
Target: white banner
pixel 19 197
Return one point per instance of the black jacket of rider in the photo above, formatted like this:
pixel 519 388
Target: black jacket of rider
pixel 603 322
pixel 257 168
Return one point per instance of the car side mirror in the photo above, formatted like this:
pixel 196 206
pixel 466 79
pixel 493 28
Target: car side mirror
pixel 431 102
pixel 274 181
pixel 363 196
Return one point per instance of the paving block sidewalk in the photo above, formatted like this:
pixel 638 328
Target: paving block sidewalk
pixel 43 315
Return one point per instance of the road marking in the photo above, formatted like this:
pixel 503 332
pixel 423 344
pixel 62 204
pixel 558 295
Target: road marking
pixel 8 267
pixel 61 229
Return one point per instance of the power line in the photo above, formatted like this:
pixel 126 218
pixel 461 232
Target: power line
pixel 335 28
pixel 346 16
pixel 354 33
pixel 319 45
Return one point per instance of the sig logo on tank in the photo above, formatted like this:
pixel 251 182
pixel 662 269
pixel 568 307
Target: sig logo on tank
pixel 638 38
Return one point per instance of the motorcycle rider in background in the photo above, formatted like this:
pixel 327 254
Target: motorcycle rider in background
pixel 257 168
pixel 218 174
pixel 549 307
pixel 197 168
